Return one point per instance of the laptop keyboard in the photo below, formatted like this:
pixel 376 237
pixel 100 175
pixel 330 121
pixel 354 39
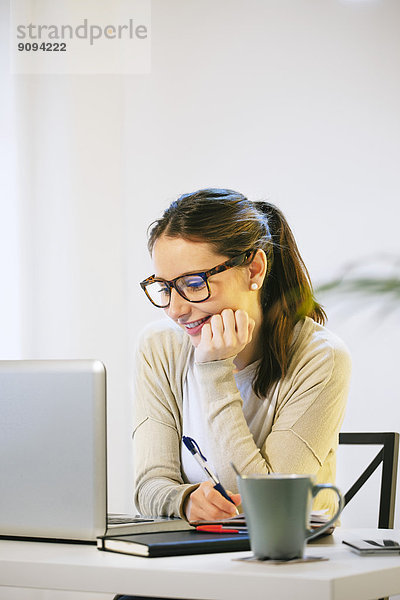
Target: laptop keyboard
pixel 120 519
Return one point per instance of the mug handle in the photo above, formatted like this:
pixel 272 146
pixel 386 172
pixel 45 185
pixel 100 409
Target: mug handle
pixel 313 533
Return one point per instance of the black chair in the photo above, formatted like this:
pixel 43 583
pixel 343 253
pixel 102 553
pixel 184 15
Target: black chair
pixel 388 456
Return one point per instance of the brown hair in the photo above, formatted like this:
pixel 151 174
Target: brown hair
pixel 233 224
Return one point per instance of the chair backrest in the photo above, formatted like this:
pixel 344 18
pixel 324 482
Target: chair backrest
pixel 388 456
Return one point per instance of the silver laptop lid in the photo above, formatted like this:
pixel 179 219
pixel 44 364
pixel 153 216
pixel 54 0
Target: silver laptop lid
pixel 53 470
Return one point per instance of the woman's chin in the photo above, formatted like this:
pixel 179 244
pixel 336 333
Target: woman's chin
pixel 195 339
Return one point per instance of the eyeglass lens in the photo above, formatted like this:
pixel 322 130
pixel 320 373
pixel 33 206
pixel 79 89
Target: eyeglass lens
pixel 191 287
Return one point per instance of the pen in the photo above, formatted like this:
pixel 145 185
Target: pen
pixel 217 529
pixel 194 449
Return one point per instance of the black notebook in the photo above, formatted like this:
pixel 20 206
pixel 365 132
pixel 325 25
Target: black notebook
pixel 174 543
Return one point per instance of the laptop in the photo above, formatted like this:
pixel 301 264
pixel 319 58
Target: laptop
pixel 53 454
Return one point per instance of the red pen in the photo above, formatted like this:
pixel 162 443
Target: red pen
pixel 217 529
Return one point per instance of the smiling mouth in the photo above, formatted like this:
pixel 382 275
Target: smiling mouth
pixel 194 324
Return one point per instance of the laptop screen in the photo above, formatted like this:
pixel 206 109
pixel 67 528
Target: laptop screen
pixel 53 449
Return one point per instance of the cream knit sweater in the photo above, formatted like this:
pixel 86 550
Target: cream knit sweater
pixel 310 405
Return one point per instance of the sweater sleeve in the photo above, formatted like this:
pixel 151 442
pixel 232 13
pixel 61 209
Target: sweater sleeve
pixel 159 487
pixel 310 410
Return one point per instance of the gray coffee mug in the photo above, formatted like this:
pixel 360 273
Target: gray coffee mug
pixel 277 509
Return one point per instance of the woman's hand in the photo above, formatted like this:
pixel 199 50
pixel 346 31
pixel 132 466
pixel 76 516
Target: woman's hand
pixel 224 335
pixel 207 504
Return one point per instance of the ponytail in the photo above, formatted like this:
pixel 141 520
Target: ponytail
pixel 286 298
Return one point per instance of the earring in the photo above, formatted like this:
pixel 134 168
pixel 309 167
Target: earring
pixel 254 286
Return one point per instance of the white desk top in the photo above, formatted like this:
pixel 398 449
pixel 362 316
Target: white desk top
pixel 209 576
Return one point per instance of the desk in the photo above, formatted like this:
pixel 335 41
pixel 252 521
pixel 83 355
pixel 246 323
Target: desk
pixel 210 576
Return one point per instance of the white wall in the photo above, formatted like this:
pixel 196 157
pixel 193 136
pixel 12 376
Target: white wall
pixel 291 100
pixel 10 327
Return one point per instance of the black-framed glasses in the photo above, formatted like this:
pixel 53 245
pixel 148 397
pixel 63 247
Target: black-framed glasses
pixel 193 287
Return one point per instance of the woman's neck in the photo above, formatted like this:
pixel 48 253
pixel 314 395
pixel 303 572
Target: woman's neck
pixel 250 353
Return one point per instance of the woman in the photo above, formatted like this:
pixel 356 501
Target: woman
pixel 244 365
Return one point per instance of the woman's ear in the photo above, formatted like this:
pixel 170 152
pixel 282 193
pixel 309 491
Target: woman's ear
pixel 257 270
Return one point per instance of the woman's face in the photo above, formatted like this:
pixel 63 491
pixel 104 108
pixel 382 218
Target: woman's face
pixel 173 257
